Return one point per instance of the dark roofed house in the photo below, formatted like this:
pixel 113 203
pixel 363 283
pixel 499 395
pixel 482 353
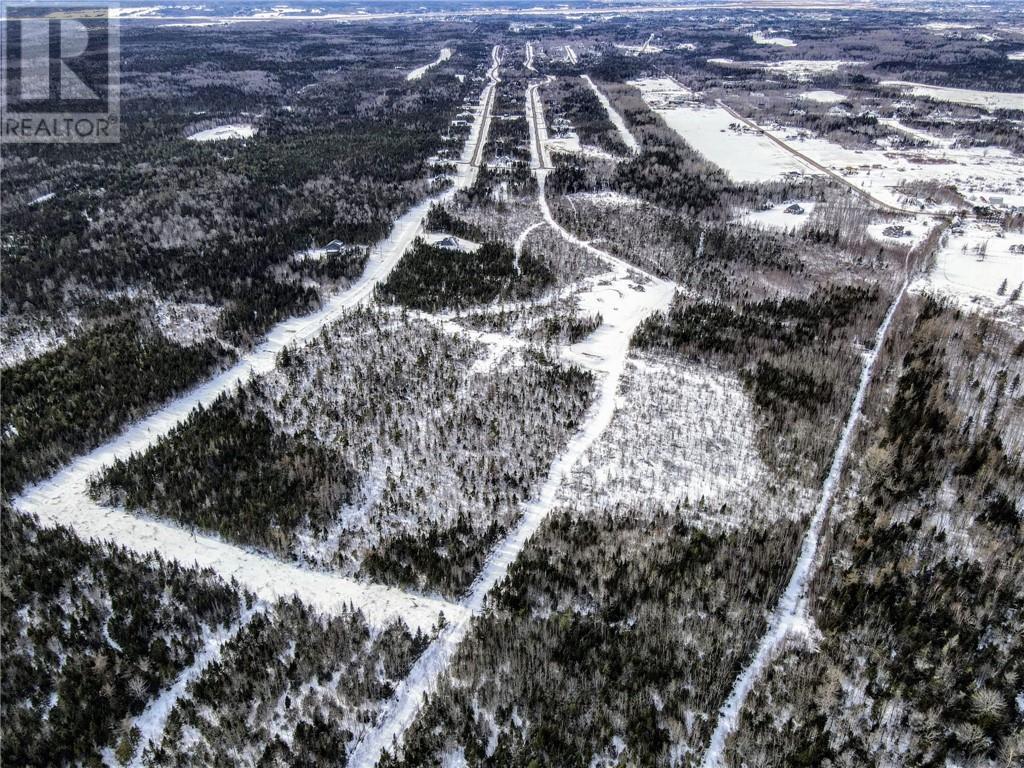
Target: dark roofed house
pixel 334 248
pixel 449 243
pixel 795 209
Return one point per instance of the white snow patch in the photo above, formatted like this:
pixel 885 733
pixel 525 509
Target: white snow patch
pixel 776 217
pixel 762 38
pixel 743 153
pixel 988 100
pixel 971 266
pixel 682 433
pixel 225 132
pixel 823 97
pixel 43 198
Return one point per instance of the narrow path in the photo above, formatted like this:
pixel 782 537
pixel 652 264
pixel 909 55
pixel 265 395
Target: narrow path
pixel 153 720
pixel 529 57
pixel 517 247
pixel 482 124
pixel 792 605
pixel 620 125
pixel 63 498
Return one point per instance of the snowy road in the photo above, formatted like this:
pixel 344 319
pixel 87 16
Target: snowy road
pixel 791 609
pixel 538 129
pixel 620 125
pixel 63 500
pixel 623 304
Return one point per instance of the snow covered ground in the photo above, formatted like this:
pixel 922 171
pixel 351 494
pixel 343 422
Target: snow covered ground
pixel 623 306
pixel 989 100
pixel 443 56
pixel 1015 56
pixel 978 173
pixel 62 499
pixel 620 125
pixel 225 132
pixel 776 217
pixel 915 230
pixel 741 152
pixel 153 719
pixel 682 432
pixel 790 615
pixel 823 97
pixel 970 268
pixel 765 38
pixel 800 70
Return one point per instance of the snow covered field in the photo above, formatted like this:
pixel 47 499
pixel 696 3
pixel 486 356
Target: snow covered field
pixel 823 97
pixel 989 100
pixel 776 217
pixel 225 132
pixel 741 152
pixel 970 268
pixel 800 70
pixel 977 173
pixel 765 38
pixel 443 56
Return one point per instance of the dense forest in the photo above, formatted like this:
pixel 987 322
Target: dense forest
pixel 68 400
pixel 919 601
pixel 290 689
pixel 226 469
pixel 611 640
pixel 433 278
pixel 381 448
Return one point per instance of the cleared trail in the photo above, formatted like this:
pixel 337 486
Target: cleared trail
pixel 792 604
pixel 153 720
pixel 623 305
pixel 63 498
pixel 620 125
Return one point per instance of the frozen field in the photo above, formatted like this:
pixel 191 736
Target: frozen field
pixel 823 97
pixel 970 269
pixel 224 132
pixel 777 217
pixel 801 70
pixel 741 152
pixel 982 99
pixel 769 38
pixel 979 174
